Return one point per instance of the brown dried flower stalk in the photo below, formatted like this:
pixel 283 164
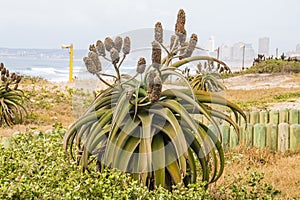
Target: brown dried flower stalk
pixel 100 48
pixel 94 57
pixel 108 43
pixel 154 87
pixel 156 54
pixel 118 43
pixel 114 55
pixel 126 46
pixel 19 78
pixel 158 32
pixel 141 65
pixel 179 26
pixel 90 65
pixel 191 46
pixel 93 48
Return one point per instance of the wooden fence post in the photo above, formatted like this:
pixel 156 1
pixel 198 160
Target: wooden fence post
pixel 294 136
pixel 254 117
pixel 272 135
pixel 274 116
pixel 259 135
pixel 248 134
pixel 293 116
pixel 225 136
pixel 233 140
pixel 283 137
pixel 283 116
pixel 263 117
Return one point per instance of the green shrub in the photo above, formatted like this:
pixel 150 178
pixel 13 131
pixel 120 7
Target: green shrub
pixel 275 66
pixel 33 166
pixel 12 98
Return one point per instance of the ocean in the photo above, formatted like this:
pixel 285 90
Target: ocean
pixel 50 64
pixel 53 64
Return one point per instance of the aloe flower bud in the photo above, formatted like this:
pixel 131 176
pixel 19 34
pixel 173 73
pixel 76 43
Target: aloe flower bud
pixel 3 71
pixel 154 86
pixel 108 43
pixel 94 57
pixel 181 17
pixel 7 73
pixel 93 48
pixel 13 76
pixel 1 66
pixel 19 78
pixel 90 65
pixel 114 55
pixel 118 43
pixel 158 32
pixel 126 46
pixel 100 48
pixel 191 46
pixel 199 66
pixel 3 77
pixel 16 87
pixel 156 54
pixel 179 26
pixel 141 65
pixel 221 70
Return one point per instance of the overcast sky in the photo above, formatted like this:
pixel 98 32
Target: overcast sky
pixel 51 23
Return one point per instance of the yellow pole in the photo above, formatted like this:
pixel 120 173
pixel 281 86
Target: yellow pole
pixel 71 63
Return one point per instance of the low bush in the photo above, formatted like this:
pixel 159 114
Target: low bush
pixel 33 166
pixel 275 66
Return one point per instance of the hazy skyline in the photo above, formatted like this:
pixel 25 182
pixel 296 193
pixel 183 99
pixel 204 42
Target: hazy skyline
pixel 51 23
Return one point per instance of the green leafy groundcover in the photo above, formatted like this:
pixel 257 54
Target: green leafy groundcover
pixel 33 166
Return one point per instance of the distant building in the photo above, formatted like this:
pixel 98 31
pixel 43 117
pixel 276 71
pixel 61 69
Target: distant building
pixel 211 44
pixel 226 52
pixel 264 46
pixel 237 51
pixel 249 52
pixel 298 48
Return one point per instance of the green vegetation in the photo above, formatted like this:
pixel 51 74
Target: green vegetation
pixel 275 66
pixel 11 98
pixel 268 66
pixel 33 166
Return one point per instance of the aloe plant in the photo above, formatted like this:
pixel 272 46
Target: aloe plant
pixel 141 125
pixel 11 98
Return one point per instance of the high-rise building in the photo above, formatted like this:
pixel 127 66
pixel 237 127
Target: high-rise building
pixel 226 52
pixel 211 44
pixel 249 52
pixel 264 46
pixel 237 51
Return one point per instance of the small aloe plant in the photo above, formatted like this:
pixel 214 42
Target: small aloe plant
pixel 11 98
pixel 140 125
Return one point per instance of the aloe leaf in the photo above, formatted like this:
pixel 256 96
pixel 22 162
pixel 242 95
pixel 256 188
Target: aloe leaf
pixel 158 159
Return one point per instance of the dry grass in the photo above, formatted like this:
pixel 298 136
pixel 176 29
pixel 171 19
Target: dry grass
pixel 280 170
pixel 262 98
